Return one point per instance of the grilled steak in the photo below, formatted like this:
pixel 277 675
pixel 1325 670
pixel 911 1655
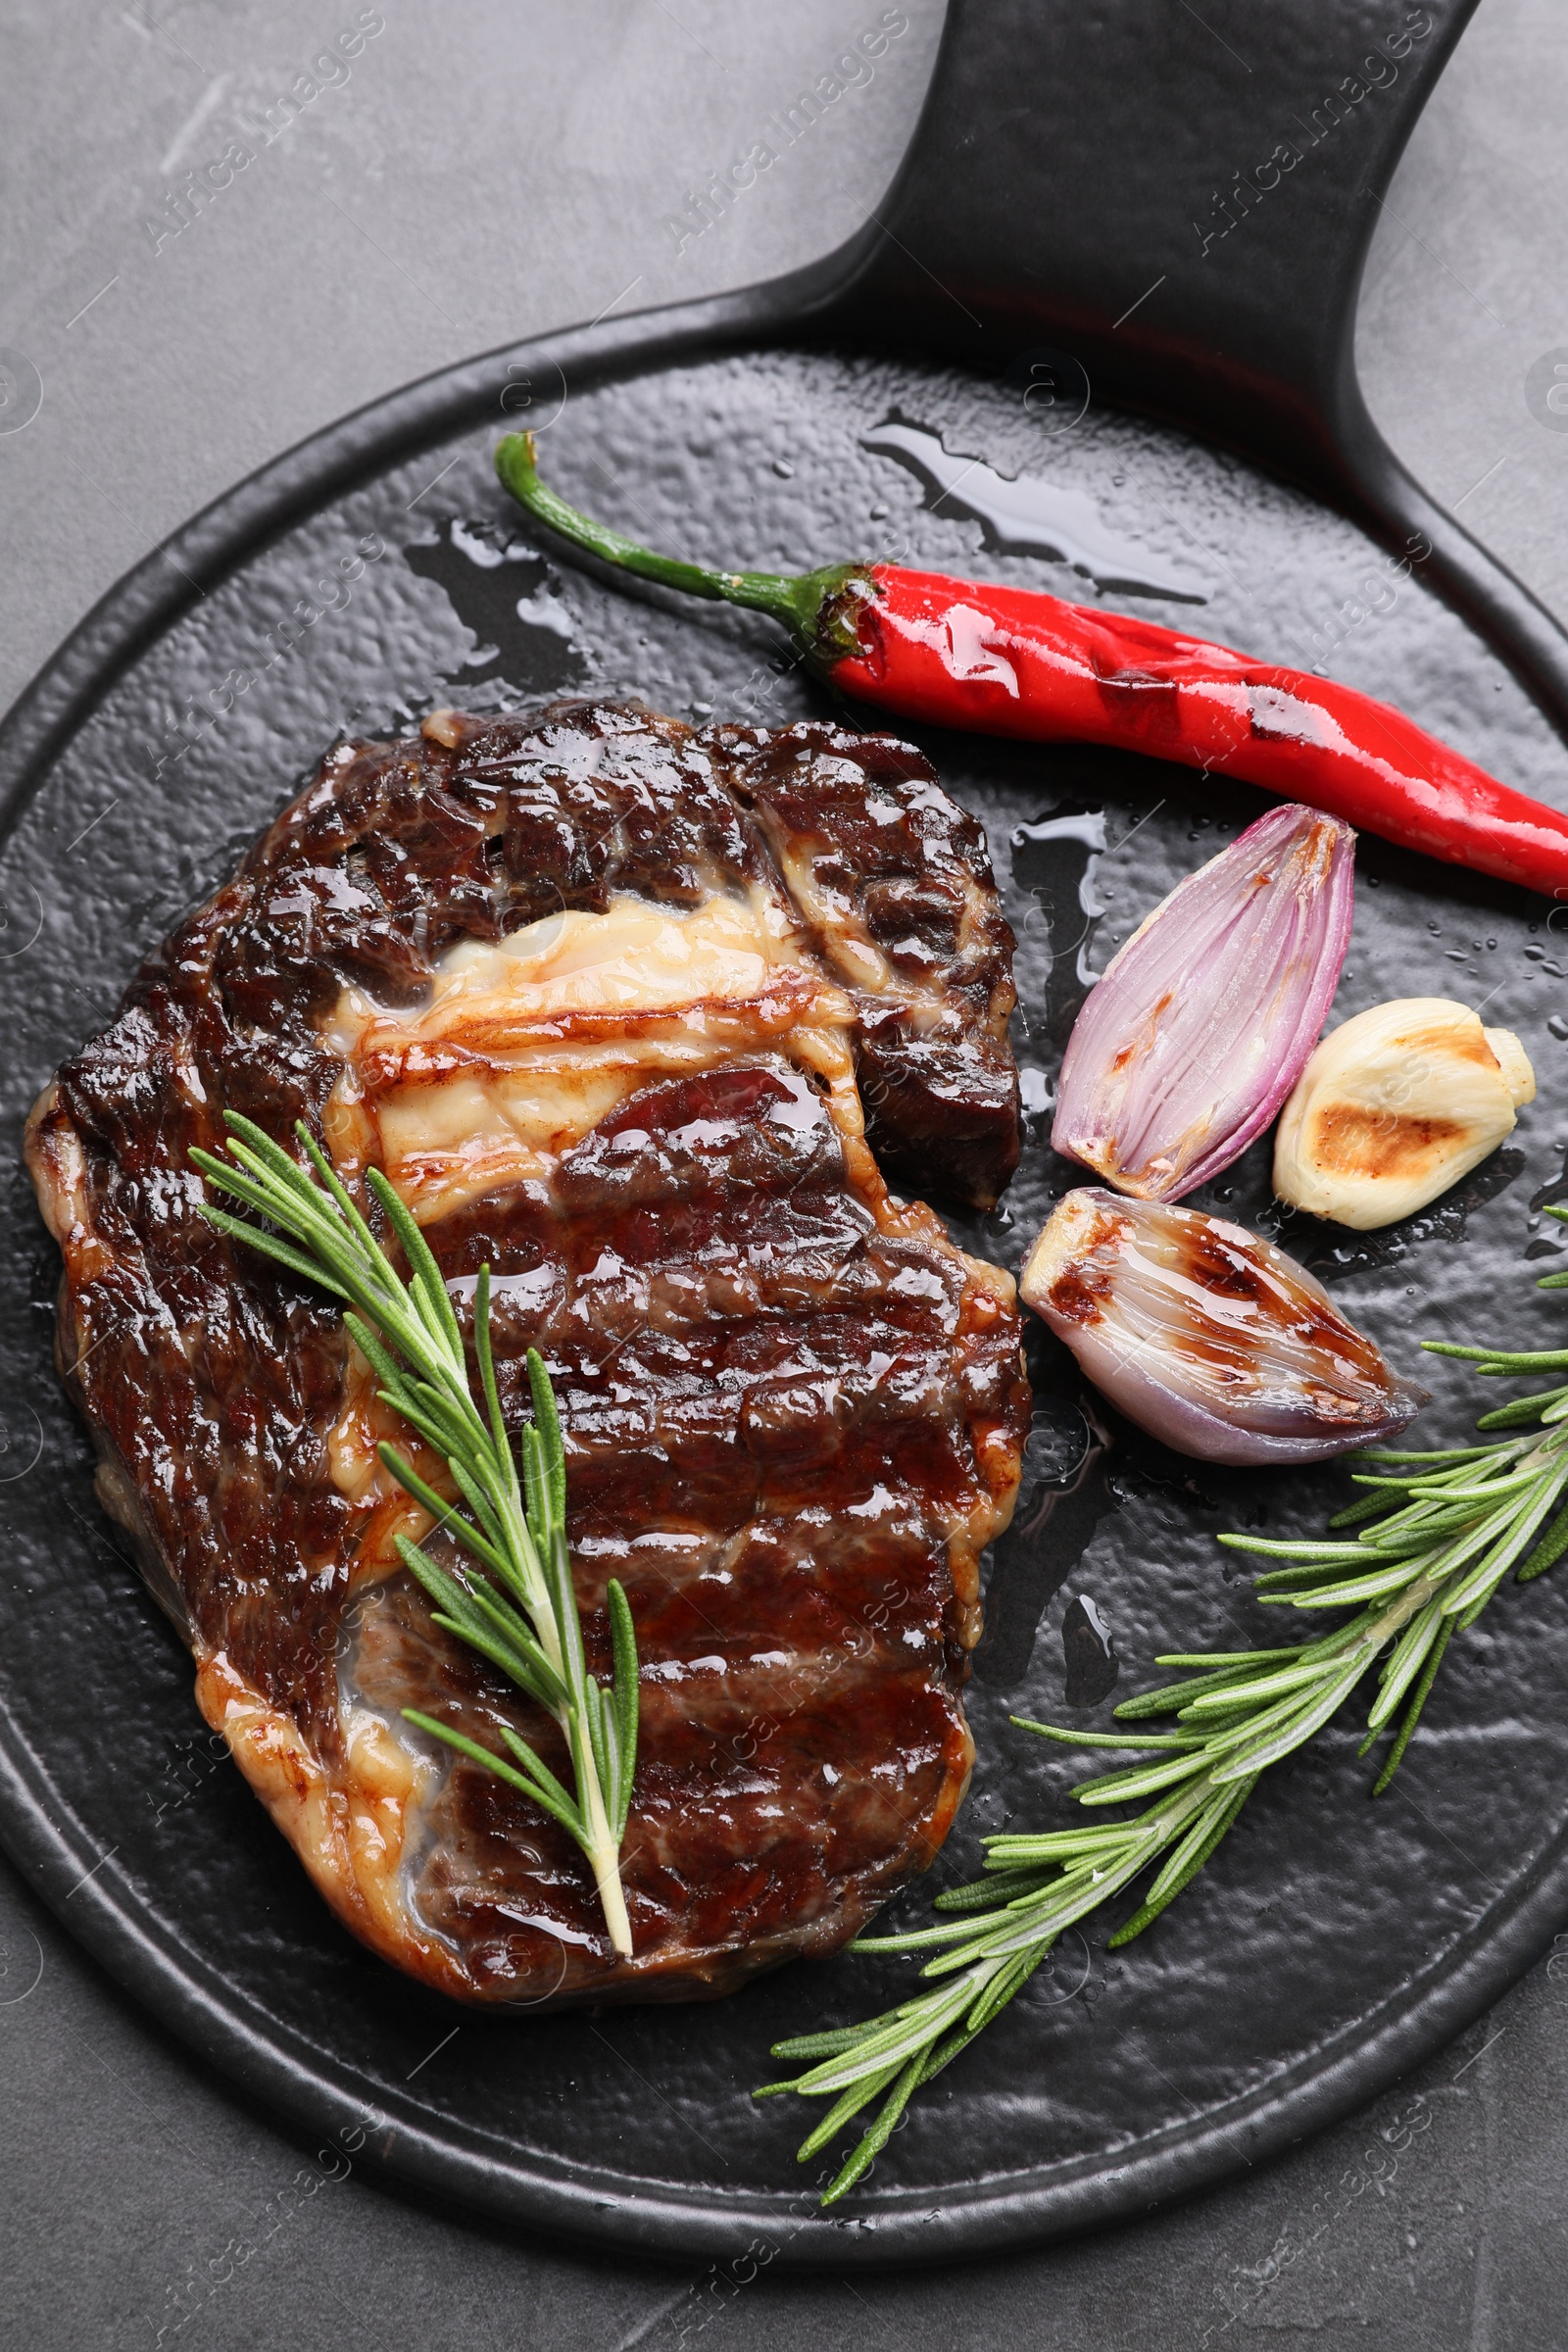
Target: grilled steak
pixel 593 989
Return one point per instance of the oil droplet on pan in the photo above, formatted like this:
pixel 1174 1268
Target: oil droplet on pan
pixel 1089 1660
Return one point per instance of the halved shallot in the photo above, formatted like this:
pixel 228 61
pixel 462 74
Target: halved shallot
pixel 1203 1021
pixel 1209 1337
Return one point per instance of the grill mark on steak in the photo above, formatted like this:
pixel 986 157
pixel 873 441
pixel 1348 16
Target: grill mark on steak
pixel 794 1412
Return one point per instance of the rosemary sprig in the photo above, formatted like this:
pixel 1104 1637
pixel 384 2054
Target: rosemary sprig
pixel 522 1614
pixel 1448 1526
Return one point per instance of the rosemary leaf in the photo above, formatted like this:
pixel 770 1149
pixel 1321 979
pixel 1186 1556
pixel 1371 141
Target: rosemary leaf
pixel 525 1621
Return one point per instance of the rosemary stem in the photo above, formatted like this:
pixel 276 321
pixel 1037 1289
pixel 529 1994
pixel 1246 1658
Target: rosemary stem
pixel 1399 1612
pixel 604 1857
pixel 535 1593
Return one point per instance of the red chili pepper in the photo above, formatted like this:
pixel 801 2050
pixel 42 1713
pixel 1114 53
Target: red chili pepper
pixel 1009 661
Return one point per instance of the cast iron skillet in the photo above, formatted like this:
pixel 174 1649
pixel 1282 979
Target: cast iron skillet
pixel 1334 1943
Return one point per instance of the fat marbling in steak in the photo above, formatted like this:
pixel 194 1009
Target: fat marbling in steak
pixel 619 1008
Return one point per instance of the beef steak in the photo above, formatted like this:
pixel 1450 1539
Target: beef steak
pixel 616 1007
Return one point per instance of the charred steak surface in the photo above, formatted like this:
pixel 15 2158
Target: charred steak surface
pixel 615 1005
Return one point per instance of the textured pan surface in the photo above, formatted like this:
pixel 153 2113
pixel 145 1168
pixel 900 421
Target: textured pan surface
pixel 1333 1942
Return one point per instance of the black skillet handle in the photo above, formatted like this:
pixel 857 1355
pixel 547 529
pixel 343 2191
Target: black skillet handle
pixel 1182 198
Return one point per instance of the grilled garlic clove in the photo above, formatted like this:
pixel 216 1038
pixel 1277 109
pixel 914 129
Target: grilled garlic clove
pixel 1209 1337
pixel 1203 1021
pixel 1396 1105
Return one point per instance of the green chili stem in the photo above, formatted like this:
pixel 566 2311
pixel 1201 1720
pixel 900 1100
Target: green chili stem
pixel 819 608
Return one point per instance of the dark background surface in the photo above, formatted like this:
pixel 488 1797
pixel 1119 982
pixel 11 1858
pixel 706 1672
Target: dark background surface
pixel 473 183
